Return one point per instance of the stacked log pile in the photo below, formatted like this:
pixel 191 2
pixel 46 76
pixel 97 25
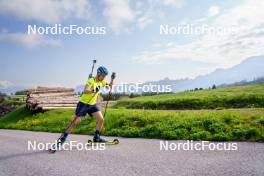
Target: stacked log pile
pixel 43 98
pixel 4 109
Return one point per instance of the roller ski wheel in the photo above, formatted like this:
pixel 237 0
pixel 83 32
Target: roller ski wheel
pixel 113 142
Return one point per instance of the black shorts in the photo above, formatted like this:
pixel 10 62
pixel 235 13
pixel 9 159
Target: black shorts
pixel 82 109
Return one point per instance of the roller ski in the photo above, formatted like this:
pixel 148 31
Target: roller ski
pixel 113 142
pixel 59 143
pixel 98 140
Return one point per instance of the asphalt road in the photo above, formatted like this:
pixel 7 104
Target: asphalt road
pixel 131 157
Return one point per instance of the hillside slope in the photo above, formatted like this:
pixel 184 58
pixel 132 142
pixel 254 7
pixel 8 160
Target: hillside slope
pixel 245 96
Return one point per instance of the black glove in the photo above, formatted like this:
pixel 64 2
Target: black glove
pixel 97 89
pixel 113 76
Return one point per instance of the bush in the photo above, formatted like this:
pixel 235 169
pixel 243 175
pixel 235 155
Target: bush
pixel 202 135
pixel 221 137
pixel 251 133
pixel 239 134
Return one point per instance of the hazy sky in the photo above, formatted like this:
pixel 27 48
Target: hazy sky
pixel 132 46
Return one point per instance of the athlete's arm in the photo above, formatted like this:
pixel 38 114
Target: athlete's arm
pixel 87 90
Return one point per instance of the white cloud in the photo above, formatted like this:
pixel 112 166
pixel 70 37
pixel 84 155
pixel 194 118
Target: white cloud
pixel 28 40
pixel 118 13
pixel 175 3
pixel 144 21
pixel 213 11
pixel 5 84
pixel 121 13
pixel 48 11
pixel 146 14
pixel 249 14
pixel 152 10
pixel 221 50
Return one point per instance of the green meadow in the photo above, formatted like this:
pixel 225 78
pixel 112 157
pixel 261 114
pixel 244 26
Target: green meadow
pixel 247 96
pixel 213 125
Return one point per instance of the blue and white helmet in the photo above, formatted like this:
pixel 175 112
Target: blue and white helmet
pixel 102 70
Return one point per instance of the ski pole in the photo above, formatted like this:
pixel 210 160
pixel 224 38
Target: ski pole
pixel 113 76
pixel 91 74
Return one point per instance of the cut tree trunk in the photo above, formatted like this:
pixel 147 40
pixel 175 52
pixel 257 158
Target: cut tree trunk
pixel 45 98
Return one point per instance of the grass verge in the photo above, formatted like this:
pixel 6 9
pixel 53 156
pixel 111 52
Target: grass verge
pixel 221 125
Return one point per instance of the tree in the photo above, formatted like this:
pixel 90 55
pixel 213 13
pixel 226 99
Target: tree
pixel 21 92
pixel 131 95
pixel 214 86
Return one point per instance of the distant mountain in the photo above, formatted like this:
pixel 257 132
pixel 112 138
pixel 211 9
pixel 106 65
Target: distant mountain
pixel 248 70
pixel 243 82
